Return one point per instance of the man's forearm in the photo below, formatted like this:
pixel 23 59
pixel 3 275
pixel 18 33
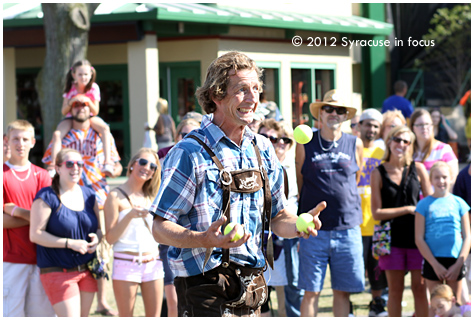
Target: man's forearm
pixel 22 213
pixel 117 169
pixel 284 224
pixel 169 233
pixel 13 222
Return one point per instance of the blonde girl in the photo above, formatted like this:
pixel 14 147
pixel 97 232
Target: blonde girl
pixel 443 232
pixel 442 301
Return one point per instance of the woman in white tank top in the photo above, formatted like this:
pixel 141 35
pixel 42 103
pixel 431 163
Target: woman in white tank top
pixel 128 229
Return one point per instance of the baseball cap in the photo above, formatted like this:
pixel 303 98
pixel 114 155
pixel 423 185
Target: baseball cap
pixel 372 114
pixel 194 115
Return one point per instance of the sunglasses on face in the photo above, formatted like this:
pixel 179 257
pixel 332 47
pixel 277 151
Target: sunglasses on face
pixel 183 135
pixel 353 125
pixel 330 109
pixel 399 140
pixel 80 104
pixel 144 162
pixel 70 164
pixel 275 140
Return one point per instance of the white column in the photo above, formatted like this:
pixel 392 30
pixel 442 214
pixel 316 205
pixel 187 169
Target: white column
pixel 9 87
pixel 285 90
pixel 142 57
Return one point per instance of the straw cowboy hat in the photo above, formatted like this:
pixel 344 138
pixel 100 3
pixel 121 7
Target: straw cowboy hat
pixel 331 99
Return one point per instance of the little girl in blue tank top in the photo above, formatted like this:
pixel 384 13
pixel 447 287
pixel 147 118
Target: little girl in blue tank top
pixel 442 232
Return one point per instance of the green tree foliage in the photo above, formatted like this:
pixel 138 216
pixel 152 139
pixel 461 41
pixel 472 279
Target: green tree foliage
pixel 450 56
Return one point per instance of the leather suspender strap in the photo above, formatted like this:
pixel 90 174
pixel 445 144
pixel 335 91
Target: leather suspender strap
pixel 226 180
pixel 226 207
pixel 266 216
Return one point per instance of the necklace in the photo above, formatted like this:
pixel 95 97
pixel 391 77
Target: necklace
pixel 321 145
pixel 20 179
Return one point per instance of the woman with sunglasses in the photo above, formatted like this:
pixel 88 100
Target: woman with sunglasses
pixel 391 119
pixel 128 229
pixel 427 149
pixel 395 188
pixel 65 225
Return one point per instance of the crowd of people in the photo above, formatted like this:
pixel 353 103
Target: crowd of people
pixel 164 227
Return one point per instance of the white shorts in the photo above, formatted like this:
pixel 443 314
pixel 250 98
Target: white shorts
pixel 277 276
pixel 23 293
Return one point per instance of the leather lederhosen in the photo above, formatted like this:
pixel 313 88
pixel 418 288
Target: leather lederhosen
pixel 243 181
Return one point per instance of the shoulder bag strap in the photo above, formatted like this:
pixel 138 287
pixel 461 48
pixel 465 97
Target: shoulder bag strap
pixel 127 196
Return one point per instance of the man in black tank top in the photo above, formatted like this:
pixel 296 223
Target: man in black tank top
pixel 328 168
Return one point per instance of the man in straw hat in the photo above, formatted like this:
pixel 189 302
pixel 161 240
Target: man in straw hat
pixel 328 168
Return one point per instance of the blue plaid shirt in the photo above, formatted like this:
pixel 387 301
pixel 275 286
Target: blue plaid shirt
pixel 190 195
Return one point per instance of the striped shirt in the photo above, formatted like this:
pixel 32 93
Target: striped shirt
pixel 89 144
pixel 190 195
pixel 440 152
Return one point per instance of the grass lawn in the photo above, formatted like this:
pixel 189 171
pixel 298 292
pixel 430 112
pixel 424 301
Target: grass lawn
pixel 360 301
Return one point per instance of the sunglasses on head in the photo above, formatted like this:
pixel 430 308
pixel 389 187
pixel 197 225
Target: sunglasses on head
pixel 353 125
pixel 274 139
pixel 330 109
pixel 144 162
pixel 70 164
pixel 399 140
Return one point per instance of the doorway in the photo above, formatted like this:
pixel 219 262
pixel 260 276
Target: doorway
pixel 178 83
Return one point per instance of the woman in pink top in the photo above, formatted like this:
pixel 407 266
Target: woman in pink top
pixel 427 149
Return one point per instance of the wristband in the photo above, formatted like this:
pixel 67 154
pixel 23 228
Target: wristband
pixel 66 245
pixel 13 210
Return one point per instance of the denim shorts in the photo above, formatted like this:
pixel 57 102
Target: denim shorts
pixel 169 275
pixel 343 251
